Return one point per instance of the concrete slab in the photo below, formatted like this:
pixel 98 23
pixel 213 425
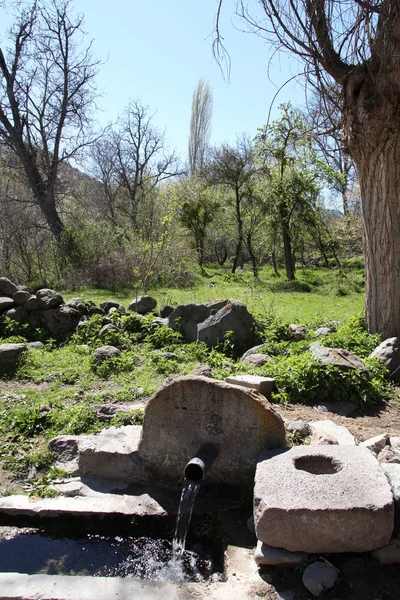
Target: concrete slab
pixel 323 499
pixel 106 504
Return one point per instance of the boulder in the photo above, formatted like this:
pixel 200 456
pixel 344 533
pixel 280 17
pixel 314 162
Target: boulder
pixel 95 310
pixel 320 577
pixel 32 304
pixel 60 320
pixel 395 441
pixel 7 287
pixel 338 357
pixel 257 360
pixel 18 314
pixel 48 299
pixel 253 350
pixel 106 328
pixel 143 304
pixel 35 346
pixel 80 304
pixel 388 352
pixel 5 303
pixel 191 411
pixel 299 332
pixel 322 499
pixel 331 433
pixel 186 317
pixel 204 370
pixel 106 352
pixel 377 443
pixel 165 311
pixel 389 454
pixel 21 296
pixel 233 317
pixel 392 472
pixel 322 331
pixel 112 304
pixel 10 355
pixel 65 447
pixel 277 557
pixel 302 428
pixel 264 385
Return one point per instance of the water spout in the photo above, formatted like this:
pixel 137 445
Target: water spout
pixel 196 468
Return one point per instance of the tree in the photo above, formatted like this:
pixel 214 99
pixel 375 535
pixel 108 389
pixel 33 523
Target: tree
pixel 200 126
pixel 46 93
pixel 354 44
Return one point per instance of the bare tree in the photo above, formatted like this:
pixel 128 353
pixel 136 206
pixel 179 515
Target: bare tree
pixel 200 126
pixel 355 43
pixel 46 93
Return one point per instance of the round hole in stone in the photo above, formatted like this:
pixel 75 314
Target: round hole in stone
pixel 317 464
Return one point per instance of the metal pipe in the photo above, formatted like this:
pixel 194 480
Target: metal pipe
pixel 196 468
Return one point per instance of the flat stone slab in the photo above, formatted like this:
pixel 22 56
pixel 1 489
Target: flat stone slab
pixel 191 411
pixel 277 557
pixel 106 504
pixel 322 499
pixel 264 385
pixel 328 432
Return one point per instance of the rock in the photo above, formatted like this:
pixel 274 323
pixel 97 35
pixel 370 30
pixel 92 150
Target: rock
pixel 5 303
pixel 258 360
pixel 60 320
pixel 143 304
pixel 321 331
pixel 277 557
pixel 95 310
pixel 390 554
pixel 106 352
pixel 253 350
pixel 395 441
pixel 7 288
pixel 168 355
pixel 106 328
pixel 330 431
pixel 35 346
pixel 106 412
pixel 377 443
pixel 31 304
pixel 389 455
pixel 392 472
pixel 264 385
pixel 191 411
pixel 165 311
pixel 80 304
pixel 338 357
pixel 287 595
pixel 299 332
pixel 48 298
pixel 112 304
pixel 18 314
pixel 185 318
pixel 302 428
pixel 160 322
pixel 322 499
pixel 388 352
pixel 250 525
pixel 65 447
pixel 10 355
pixel 344 408
pixel 203 370
pixel 233 317
pixel 21 296
pixel 320 577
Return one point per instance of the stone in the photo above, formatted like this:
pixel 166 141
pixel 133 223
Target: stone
pixel 113 454
pixel 106 412
pixel 48 298
pixel 106 352
pixel 5 303
pixel 168 355
pixel 299 332
pixel 277 557
pixel 203 370
pixel 377 443
pixel 191 411
pixel 388 555
pixel 320 577
pixel 388 353
pixel 392 472
pixel 253 350
pixel 10 355
pixel 165 311
pixel 258 360
pixel 7 287
pixel 80 304
pixel 31 304
pixel 112 304
pixel 389 454
pixel 321 331
pixel 264 385
pixel 395 441
pixel 65 447
pixel 95 310
pixel 21 296
pixel 287 595
pixel 186 317
pixel 322 499
pixel 143 304
pixel 344 408
pixel 338 357
pixel 35 346
pixel 18 314
pixel 60 320
pixel 233 317
pixel 302 428
pixel 333 433
pixel 106 328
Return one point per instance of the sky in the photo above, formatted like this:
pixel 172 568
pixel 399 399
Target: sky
pixel 157 50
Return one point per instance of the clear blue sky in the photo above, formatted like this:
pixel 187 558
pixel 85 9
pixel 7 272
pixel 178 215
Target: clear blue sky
pixel 157 50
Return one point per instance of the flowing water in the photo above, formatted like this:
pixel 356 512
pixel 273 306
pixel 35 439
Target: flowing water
pixel 188 496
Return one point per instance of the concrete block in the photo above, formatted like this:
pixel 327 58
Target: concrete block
pixel 322 499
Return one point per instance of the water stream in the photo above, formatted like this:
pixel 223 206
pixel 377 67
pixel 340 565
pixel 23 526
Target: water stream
pixel 188 497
